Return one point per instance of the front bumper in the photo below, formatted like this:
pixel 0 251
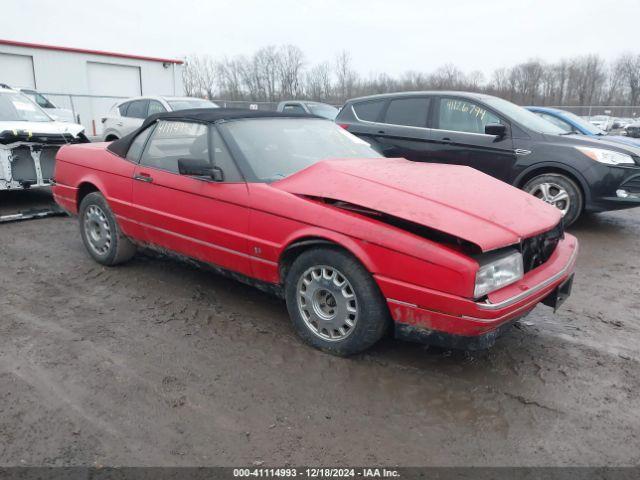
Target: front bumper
pixel 430 315
pixel 612 188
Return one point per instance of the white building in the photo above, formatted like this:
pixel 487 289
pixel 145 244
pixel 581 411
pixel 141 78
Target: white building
pixel 88 82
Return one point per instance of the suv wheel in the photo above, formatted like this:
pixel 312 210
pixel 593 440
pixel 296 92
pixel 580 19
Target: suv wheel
pixel 334 303
pixel 559 191
pixel 100 232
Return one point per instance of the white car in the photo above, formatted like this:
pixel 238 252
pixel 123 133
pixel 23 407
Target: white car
pixel 60 114
pixel 124 117
pixel 29 141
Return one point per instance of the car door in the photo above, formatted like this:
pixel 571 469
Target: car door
pixel 402 130
pixel 458 137
pixel 193 216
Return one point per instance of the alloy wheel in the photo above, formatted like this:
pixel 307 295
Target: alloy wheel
pixel 327 303
pixel 553 194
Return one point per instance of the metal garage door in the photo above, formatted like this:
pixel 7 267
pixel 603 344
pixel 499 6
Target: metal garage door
pixel 109 80
pixel 113 80
pixel 17 70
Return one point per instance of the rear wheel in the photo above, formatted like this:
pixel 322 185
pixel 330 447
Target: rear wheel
pixel 100 232
pixel 334 303
pixel 560 191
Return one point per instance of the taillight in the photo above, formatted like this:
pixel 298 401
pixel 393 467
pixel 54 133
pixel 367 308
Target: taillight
pixel 344 125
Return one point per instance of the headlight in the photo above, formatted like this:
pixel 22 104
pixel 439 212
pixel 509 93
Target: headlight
pixel 607 156
pixel 497 271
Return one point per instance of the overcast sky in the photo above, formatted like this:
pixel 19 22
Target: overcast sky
pixel 382 35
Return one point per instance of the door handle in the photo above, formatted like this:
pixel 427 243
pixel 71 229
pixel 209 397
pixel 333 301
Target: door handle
pixel 143 177
pixel 381 132
pixel 119 124
pixel 446 140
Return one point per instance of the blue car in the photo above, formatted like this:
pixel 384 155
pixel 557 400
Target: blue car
pixel 573 124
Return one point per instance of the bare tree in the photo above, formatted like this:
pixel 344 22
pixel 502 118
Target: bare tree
pixel 199 76
pixel 273 73
pixel 290 69
pixel 630 68
pixel 346 76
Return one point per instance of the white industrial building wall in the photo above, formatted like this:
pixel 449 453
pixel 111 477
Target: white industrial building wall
pixel 77 73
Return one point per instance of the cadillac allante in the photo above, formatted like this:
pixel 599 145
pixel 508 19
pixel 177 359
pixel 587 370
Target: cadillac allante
pixel 355 243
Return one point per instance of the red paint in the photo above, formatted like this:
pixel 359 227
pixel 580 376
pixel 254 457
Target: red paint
pixel 247 227
pixel 14 43
pixel 453 199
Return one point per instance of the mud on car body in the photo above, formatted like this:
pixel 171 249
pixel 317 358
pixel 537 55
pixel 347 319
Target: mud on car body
pixel 29 141
pixel 354 242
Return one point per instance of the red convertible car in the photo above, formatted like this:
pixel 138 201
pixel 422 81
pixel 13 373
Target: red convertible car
pixel 354 242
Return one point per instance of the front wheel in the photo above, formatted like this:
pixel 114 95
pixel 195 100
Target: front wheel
pixel 560 191
pixel 334 303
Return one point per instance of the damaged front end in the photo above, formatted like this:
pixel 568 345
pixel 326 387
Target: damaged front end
pixel 28 159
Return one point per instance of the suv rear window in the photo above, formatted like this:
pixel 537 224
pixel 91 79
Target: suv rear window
pixel 369 111
pixel 411 112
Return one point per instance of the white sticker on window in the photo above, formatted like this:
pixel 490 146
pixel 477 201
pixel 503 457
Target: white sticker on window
pixel 25 106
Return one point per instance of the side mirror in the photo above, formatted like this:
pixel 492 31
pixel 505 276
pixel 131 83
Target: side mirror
pixel 497 129
pixel 199 168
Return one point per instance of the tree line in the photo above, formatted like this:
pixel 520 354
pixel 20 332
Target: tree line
pixel 275 73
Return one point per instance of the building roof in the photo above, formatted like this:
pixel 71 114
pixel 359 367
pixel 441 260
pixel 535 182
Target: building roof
pixel 14 43
pixel 205 115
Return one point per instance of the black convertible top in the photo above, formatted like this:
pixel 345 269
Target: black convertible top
pixel 204 115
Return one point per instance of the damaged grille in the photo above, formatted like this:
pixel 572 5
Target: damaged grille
pixel 537 250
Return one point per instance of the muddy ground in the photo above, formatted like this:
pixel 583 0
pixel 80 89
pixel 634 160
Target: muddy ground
pixel 160 363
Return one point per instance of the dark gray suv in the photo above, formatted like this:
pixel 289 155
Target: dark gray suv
pixel 504 140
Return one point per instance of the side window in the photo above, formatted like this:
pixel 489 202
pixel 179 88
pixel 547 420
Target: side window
pixel 123 108
pixel 556 121
pixel 171 141
pixel 463 116
pixel 135 149
pixel 155 107
pixel 137 109
pixel 293 108
pixel 411 112
pixel 222 158
pixel 43 102
pixel 369 111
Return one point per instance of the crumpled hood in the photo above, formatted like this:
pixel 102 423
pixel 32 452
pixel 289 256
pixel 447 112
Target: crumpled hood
pixel 453 199
pixel 42 127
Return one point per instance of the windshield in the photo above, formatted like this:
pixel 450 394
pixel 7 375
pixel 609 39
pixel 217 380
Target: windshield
pixel 583 124
pixel 275 148
pixel 187 103
pixel 326 111
pixel 523 116
pixel 15 107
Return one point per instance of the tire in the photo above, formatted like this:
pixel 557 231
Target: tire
pixel 100 232
pixel 340 289
pixel 557 183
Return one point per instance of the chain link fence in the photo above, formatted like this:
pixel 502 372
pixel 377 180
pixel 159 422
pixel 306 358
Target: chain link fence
pixel 88 110
pixel 589 111
pixel 266 106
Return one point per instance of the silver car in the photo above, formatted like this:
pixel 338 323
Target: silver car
pixel 314 108
pixel 124 117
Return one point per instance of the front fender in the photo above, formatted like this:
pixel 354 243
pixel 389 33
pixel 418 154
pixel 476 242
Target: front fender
pixel 558 167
